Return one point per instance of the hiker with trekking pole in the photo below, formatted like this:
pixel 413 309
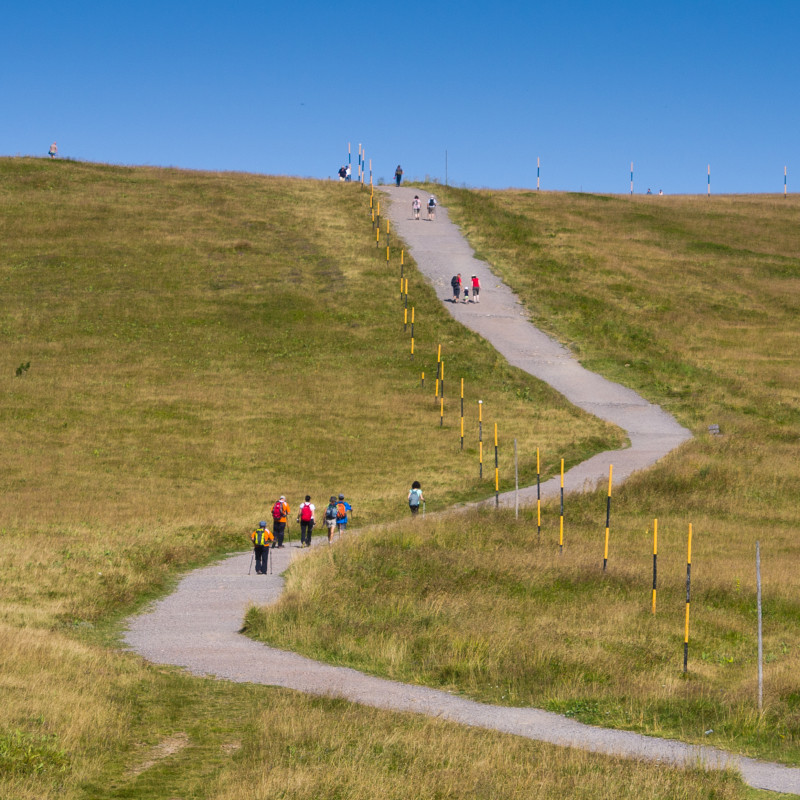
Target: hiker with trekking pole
pixel 280 514
pixel 261 537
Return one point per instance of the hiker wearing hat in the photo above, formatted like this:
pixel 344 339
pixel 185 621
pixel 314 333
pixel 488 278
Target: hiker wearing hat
pixel 261 538
pixel 280 511
pixel 330 517
pixel 343 508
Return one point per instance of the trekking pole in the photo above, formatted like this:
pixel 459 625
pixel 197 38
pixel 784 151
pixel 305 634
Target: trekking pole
pixel 252 556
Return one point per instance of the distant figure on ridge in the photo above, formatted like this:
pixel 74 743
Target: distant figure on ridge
pixel 415 498
pixel 398 175
pixel 348 173
pixel 53 151
pixel 342 172
pixel 416 205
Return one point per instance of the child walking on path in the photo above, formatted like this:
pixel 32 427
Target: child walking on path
pixel 415 498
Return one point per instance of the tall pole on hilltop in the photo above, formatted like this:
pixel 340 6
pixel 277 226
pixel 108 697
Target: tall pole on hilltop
pixel 537 173
pixel 784 183
pixel 631 177
pixel 445 169
pixel 709 180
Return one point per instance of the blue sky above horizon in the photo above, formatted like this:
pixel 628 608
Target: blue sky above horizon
pixel 282 88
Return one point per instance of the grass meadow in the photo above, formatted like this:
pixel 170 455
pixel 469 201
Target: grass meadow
pixel 694 303
pixel 179 349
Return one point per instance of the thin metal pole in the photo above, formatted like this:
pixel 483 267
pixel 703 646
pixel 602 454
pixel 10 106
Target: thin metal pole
pixel 516 482
pixel 760 638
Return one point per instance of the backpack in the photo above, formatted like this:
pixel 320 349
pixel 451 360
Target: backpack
pixel 431 203
pixel 277 510
pixel 413 498
pixel 305 513
pixel 341 511
pixel 330 512
pixel 455 282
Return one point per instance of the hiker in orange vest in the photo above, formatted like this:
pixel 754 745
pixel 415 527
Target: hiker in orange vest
pixel 261 538
pixel 280 511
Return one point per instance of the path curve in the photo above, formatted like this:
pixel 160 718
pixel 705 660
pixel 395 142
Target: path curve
pixel 209 644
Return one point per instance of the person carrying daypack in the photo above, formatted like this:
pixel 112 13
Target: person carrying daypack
pixel 432 207
pixel 306 519
pixel 455 282
pixel 343 508
pixel 261 537
pixel 330 517
pixel 415 498
pixel 280 511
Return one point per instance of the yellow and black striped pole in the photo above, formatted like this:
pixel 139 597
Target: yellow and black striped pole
pixel 412 322
pixel 438 367
pixel 406 292
pixel 496 472
pixel 441 378
pixel 387 253
pixel 441 412
pixel 405 319
pixel 655 561
pixel 608 517
pixel 377 237
pixel 561 520
pixel 538 500
pixel 462 414
pixel 422 381
pixel 688 602
pixel 412 347
pixel 480 438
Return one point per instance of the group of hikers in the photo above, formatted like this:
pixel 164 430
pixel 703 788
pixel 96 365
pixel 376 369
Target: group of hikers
pixel 337 514
pixel 455 282
pixel 416 206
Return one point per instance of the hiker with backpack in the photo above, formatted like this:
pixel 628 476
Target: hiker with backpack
pixel 330 517
pixel 415 498
pixel 306 519
pixel 455 282
pixel 261 537
pixel 280 512
pixel 398 175
pixel 432 208
pixel 343 508
pixel 476 289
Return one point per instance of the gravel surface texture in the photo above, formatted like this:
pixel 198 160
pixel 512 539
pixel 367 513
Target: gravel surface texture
pixel 209 644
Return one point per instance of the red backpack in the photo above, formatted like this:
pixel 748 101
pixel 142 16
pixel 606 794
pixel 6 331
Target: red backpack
pixel 277 510
pixel 305 513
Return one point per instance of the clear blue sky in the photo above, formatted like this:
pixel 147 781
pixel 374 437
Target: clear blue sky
pixel 282 87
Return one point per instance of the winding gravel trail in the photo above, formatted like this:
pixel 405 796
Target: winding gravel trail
pixel 209 644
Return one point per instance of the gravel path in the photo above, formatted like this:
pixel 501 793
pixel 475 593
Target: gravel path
pixel 209 644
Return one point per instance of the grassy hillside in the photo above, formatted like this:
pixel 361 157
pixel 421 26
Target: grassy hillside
pixel 179 349
pixel 693 302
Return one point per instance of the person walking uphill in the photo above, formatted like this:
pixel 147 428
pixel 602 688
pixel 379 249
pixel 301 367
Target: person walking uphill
pixel 455 282
pixel 261 538
pixel 330 517
pixel 306 519
pixel 415 498
pixel 280 511
pixel 343 508
pixel 398 175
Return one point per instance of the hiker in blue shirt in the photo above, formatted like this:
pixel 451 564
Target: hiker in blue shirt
pixel 343 508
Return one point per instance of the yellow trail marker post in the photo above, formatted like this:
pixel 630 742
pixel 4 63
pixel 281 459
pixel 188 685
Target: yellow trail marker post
pixel 406 292
pixel 412 322
pixel 377 237
pixel 412 347
pixel 441 377
pixel 496 472
pixel 688 602
pixel 538 500
pixel 438 368
pixel 441 417
pixel 608 516
pixel 462 413
pixel 655 561
pixel 387 253
pixel 405 320
pixel 561 520
pixel 480 437
pixel 401 257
